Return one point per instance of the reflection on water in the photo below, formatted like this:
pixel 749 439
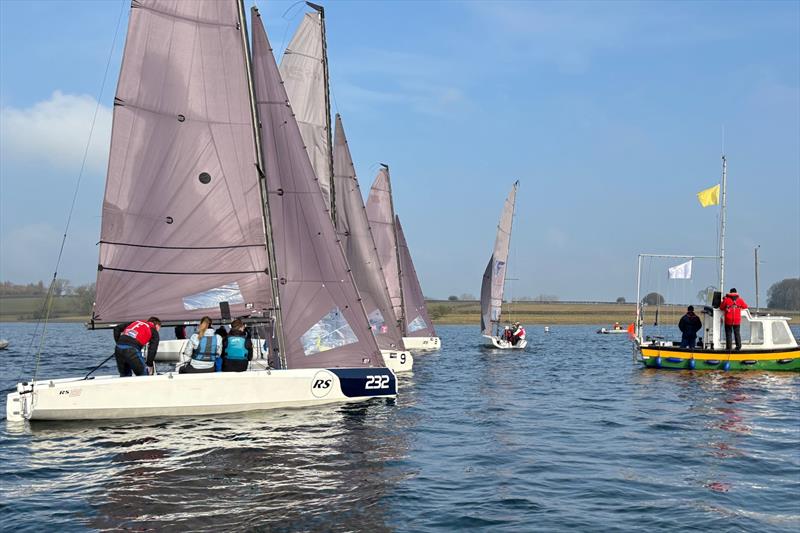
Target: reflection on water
pixel 565 435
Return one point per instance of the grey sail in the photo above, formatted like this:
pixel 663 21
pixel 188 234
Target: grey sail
pixel 380 213
pixel 324 323
pixel 494 277
pixel 303 73
pixel 417 321
pixel 182 227
pixel 359 246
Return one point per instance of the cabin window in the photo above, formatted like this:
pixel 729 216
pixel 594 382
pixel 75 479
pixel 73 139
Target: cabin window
pixel 376 321
pixel 756 333
pixel 779 333
pixel 211 298
pixel 332 331
pixel 417 324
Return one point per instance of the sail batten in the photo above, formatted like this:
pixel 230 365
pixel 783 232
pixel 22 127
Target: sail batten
pixel 324 323
pixel 494 277
pixel 359 246
pixel 181 214
pixel 415 312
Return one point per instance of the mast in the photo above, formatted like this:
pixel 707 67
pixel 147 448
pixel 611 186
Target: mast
pixel 262 186
pixel 756 271
pixel 321 10
pixel 722 224
pixel 402 317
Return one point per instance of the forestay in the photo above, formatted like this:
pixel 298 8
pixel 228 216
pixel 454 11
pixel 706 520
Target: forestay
pixel 182 226
pixel 380 213
pixel 494 277
pixel 359 246
pixel 303 74
pixel 417 321
pixel 324 323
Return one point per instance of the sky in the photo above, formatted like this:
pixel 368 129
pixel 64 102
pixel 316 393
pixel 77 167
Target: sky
pixel 612 115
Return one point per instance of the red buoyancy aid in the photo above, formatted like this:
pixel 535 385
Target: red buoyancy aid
pixel 732 305
pixel 140 331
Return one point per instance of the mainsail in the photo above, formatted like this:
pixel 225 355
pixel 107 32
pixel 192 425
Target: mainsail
pixel 359 246
pixel 415 313
pixel 324 323
pixel 303 72
pixel 380 213
pixel 494 277
pixel 182 227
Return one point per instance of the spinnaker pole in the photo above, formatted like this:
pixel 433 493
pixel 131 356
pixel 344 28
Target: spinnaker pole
pixel 262 185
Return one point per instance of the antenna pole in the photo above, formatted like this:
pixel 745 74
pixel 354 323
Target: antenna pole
pixel 262 185
pixel 329 130
pixel 756 270
pixel 723 213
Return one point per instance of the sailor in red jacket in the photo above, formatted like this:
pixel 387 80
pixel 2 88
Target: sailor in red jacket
pixel 519 333
pixel 131 338
pixel 732 306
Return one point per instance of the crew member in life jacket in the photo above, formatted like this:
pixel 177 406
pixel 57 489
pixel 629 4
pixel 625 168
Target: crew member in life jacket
pixel 507 334
pixel 130 339
pixel 732 306
pixel 518 333
pixel 237 348
pixel 204 347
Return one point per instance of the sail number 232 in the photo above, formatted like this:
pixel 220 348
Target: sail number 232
pixel 377 382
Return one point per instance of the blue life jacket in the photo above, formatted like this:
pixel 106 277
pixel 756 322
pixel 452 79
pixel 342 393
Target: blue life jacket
pixel 236 349
pixel 206 349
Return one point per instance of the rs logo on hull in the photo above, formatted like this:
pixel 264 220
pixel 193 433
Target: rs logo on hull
pixel 322 384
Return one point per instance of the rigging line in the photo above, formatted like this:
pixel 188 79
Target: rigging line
pixel 75 194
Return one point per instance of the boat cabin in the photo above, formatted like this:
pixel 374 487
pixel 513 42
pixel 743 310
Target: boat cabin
pixel 758 332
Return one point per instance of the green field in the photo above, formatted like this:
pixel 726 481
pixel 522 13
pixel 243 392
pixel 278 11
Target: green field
pixel 29 308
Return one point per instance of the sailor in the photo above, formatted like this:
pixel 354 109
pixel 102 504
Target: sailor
pixel 237 348
pixel 689 325
pixel 617 326
pixel 518 334
pixel 507 334
pixel 130 339
pixel 204 347
pixel 732 306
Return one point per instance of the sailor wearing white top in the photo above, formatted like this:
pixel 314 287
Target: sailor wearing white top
pixel 204 348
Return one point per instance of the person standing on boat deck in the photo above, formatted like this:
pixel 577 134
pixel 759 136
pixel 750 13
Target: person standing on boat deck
pixel 237 348
pixel 689 325
pixel 204 347
pixel 518 334
pixel 732 306
pixel 130 339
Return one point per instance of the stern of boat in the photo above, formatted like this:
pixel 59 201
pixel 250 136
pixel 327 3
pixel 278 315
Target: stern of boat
pixel 398 360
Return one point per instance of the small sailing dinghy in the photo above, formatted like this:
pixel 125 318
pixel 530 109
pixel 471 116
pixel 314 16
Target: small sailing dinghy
pixel 304 68
pixel 408 302
pixel 203 208
pixel 3 344
pixel 494 280
pixel 770 346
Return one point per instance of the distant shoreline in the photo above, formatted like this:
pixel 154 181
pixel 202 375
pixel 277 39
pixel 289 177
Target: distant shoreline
pixel 464 312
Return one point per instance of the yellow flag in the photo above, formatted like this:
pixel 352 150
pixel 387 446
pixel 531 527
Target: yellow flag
pixel 709 196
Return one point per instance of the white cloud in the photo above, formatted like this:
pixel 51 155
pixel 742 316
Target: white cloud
pixel 55 132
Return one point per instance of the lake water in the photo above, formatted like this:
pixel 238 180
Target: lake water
pixel 568 435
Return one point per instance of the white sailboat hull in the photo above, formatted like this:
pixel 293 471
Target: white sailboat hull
pixel 169 351
pixel 172 394
pixel 422 343
pixel 502 344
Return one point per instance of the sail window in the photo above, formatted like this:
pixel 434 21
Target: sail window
pixel 417 324
pixel 332 331
pixel 211 298
pixel 205 178
pixel 377 322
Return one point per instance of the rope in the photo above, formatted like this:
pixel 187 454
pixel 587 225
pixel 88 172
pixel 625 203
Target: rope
pixel 48 306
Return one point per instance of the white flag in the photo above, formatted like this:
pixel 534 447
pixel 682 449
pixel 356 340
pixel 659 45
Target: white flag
pixel 682 271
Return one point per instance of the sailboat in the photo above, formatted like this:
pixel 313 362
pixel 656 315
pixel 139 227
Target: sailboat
pixel 771 344
pixel 304 68
pixel 408 302
pixel 494 279
pixel 212 208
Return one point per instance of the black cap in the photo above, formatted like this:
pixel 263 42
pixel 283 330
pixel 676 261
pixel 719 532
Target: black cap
pixel 732 291
pixel 690 308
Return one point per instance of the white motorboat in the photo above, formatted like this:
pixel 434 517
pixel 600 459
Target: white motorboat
pixel 202 218
pixel 494 280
